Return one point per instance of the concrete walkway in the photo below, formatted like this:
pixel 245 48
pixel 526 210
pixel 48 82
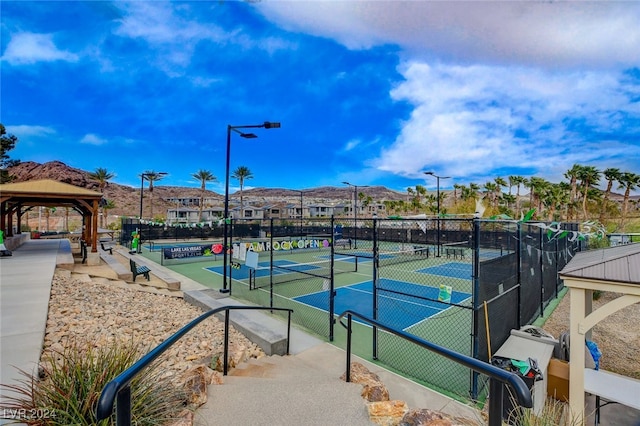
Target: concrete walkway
pixel 25 286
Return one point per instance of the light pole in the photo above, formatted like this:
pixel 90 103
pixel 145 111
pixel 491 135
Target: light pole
pixel 142 176
pixel 225 249
pixel 301 208
pixel 355 212
pixel 437 205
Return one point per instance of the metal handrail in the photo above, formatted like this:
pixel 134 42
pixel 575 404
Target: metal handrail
pixel 119 389
pixel 497 376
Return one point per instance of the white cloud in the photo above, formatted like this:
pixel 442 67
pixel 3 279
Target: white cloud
pixel 29 48
pixel 549 34
pixel 467 120
pixel 353 143
pixel 171 30
pixel 24 130
pixel 92 139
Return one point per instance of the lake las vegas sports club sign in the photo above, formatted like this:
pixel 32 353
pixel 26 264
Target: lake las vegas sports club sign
pixel 240 248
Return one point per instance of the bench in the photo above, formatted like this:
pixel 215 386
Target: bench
pixel 83 251
pixel 611 387
pixel 139 270
pixel 109 249
pixel 454 251
pixel 343 242
pixel 420 250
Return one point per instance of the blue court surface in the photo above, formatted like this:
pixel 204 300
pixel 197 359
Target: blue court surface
pixel 264 269
pixel 452 269
pixel 397 310
pixel 363 256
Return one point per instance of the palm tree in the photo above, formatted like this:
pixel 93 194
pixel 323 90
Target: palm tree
pixel 108 206
pixel 410 194
pixel 537 186
pixel 610 175
pixel 242 173
pixel 553 197
pixel 203 176
pixel 102 176
pixel 629 181
pixel 456 187
pixel 588 176
pixel 516 181
pixel 490 190
pixel 572 175
pixel 152 176
pixel 500 183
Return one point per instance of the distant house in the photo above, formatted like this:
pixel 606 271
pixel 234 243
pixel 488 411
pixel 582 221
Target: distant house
pixel 326 210
pixel 192 201
pixel 190 215
pixel 247 212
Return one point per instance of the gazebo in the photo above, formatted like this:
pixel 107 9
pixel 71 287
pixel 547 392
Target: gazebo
pixel 16 199
pixel 614 269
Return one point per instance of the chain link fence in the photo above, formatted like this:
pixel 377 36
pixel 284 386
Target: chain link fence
pixel 463 284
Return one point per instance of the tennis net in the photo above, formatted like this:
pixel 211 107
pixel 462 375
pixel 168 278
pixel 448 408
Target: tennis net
pixel 283 271
pixel 410 253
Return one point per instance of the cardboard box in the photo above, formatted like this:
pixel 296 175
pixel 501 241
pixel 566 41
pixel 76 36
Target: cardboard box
pixel 558 379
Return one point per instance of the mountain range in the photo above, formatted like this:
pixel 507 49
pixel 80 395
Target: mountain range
pixel 127 199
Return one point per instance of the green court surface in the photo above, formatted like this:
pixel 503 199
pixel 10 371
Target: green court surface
pixel 449 327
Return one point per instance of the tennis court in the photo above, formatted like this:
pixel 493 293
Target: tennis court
pixel 243 272
pixel 450 269
pixel 359 298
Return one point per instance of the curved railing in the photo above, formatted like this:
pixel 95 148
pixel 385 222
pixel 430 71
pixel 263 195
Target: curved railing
pixel 497 376
pixel 119 389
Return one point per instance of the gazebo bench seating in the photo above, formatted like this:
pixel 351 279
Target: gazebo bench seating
pixel 139 270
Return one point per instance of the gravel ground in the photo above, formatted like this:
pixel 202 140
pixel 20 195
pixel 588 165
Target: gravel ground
pixel 617 336
pixel 99 314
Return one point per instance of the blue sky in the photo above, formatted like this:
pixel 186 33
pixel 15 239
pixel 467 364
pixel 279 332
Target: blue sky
pixel 370 92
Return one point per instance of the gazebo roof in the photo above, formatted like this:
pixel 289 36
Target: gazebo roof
pixel 616 264
pixel 47 188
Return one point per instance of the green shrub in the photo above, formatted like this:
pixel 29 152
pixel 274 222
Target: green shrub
pixel 67 389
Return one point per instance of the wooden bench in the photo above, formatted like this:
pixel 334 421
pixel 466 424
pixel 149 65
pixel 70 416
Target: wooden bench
pixel 611 387
pixel 109 249
pixel 139 270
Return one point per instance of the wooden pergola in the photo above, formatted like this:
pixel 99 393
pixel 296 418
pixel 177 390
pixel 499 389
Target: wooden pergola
pixel 16 199
pixel 614 269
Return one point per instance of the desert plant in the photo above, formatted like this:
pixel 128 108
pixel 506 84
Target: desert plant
pixel 69 383
pixel 553 413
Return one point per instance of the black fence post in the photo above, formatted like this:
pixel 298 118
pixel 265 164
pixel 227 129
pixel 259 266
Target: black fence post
pixel 332 292
pixel 123 407
pixel 376 265
pixel 476 303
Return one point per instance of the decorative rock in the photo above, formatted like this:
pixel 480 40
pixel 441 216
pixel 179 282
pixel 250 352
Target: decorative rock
pixel 373 388
pixel 195 385
pixel 105 314
pixel 216 378
pixel 387 413
pixel 424 417
pixel 185 418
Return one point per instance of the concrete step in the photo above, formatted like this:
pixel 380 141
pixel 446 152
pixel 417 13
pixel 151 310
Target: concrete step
pixel 282 391
pixel 281 369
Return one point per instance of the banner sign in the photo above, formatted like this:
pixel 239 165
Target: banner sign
pixel 188 251
pixel 259 246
